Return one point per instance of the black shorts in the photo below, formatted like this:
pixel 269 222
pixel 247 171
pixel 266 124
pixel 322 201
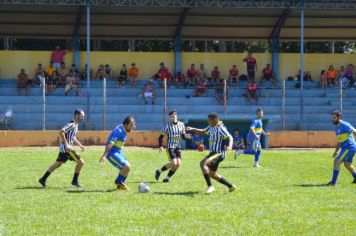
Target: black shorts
pixel 215 159
pixel 267 77
pixel 174 153
pixel 65 156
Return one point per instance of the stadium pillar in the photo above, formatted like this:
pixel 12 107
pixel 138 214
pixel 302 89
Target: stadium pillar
pixel 301 67
pixel 76 38
pixel 177 53
pixel 275 56
pixel 88 43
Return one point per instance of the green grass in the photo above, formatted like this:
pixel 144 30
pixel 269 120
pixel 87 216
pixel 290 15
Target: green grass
pixel 280 198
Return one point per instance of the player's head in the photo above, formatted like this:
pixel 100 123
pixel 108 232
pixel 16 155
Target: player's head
pixel 213 119
pixel 173 116
pixel 259 113
pixel 79 115
pixel 336 117
pixel 236 132
pixel 129 123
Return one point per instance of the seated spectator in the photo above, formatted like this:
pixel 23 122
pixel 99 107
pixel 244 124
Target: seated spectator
pixel 22 82
pixel 122 80
pixel 331 76
pixel 133 73
pixel 341 76
pixel 268 75
pixel 238 140
pixel 84 73
pixel 108 72
pixel 71 83
pixel 148 91
pixel 215 76
pixel 100 73
pixel 252 92
pixel 179 79
pixel 349 74
pixel 308 76
pixel 52 79
pixel 219 92
pixel 202 74
pixel 196 140
pixel 200 89
pixel 40 75
pixel 75 72
pixel 323 79
pixel 62 73
pixel 162 74
pixel 234 75
pixel 192 74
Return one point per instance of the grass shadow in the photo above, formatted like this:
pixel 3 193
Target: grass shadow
pixel 188 194
pixel 234 167
pixel 138 182
pixel 311 185
pixel 37 187
pixel 90 191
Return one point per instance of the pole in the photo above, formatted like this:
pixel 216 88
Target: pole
pixel 104 103
pixel 225 97
pixel 283 105
pixel 164 100
pixel 44 105
pixel 302 63
pixel 88 44
pixel 341 96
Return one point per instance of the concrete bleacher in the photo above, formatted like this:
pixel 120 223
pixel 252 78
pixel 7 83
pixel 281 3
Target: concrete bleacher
pixel 126 100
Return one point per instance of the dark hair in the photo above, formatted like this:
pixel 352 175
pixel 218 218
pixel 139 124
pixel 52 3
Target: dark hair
pixel 213 115
pixel 259 110
pixel 172 112
pixel 78 111
pixel 336 113
pixel 128 120
pixel 322 72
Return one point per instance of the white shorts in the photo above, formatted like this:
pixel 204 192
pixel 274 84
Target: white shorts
pixel 148 95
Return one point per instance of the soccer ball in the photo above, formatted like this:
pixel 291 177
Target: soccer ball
pixel 201 147
pixel 143 187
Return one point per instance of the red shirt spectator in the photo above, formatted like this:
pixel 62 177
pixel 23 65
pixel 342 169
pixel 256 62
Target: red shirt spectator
pixel 215 74
pixel 57 57
pixel 251 65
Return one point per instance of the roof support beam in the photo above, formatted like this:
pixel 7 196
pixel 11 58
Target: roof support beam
pixel 76 37
pixel 178 40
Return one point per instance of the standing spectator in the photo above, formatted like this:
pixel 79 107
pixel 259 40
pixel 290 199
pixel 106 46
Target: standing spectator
pixel 100 73
pixel 349 74
pixel 62 75
pixel 148 91
pixel 267 74
pixel 71 84
pixel 234 75
pixel 191 78
pixel 331 75
pixel 57 57
pixel 202 74
pixel 52 80
pixel 133 73
pixel 108 72
pixel 215 76
pixel 162 74
pixel 40 75
pixel 251 65
pixel 22 83
pixel 219 92
pixel 123 76
pixel 84 73
pixel 323 79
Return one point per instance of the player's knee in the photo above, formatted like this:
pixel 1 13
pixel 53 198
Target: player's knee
pixel 127 167
pixel 202 163
pixel 81 162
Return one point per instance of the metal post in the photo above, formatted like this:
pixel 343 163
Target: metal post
pixel 44 105
pixel 302 63
pixel 104 103
pixel 275 56
pixel 283 105
pixel 225 97
pixel 88 44
pixel 341 96
pixel 164 100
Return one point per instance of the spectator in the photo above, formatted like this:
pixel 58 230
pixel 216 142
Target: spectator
pixel 341 76
pixel 71 84
pixel 75 72
pixel 202 74
pixel 267 75
pixel 179 79
pixel 331 75
pixel 57 57
pixel 196 140
pixel 100 73
pixel 215 76
pixel 108 72
pixel 219 92
pixel 308 76
pixel 162 74
pixel 252 92
pixel 148 91
pixel 234 75
pixel 84 73
pixel 40 75
pixel 122 80
pixel 52 79
pixel 323 79
pixel 251 64
pixel 238 140
pixel 192 74
pixel 62 75
pixel 200 89
pixel 349 74
pixel 22 83
pixel 133 73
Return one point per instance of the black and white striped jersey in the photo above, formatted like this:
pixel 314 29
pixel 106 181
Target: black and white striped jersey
pixel 70 130
pixel 217 138
pixel 174 132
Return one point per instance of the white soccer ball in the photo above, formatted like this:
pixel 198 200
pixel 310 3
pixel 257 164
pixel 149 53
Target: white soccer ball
pixel 143 187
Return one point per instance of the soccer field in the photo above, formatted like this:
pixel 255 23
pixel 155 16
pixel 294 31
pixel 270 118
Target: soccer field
pixel 283 197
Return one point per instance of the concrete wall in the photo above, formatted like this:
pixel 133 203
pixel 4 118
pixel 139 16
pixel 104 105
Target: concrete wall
pixel 148 62
pixel 298 139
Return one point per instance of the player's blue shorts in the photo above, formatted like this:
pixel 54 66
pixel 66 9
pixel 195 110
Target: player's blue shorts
pixel 253 144
pixel 346 155
pixel 117 159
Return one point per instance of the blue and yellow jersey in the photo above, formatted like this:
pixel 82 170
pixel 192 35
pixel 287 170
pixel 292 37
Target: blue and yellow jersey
pixel 344 135
pixel 256 125
pixel 118 138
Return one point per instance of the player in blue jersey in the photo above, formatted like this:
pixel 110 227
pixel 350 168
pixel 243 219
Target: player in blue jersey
pixel 346 142
pixel 254 138
pixel 113 151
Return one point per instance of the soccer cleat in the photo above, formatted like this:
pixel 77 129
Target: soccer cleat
pixel 331 183
pixel 233 188
pixel 157 174
pixel 238 152
pixel 256 165
pixel 42 182
pixel 77 184
pixel 354 182
pixel 122 186
pixel 165 180
pixel 210 190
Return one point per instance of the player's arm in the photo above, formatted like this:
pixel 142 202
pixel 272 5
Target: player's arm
pixel 198 131
pixel 252 129
pixel 160 142
pixel 106 151
pixel 231 141
pixel 62 136
pixel 265 133
pixel 336 151
pixel 76 141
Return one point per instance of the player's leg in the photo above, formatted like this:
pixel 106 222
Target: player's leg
pixel 62 158
pixel 257 153
pixel 176 162
pixel 213 166
pixel 206 173
pixel 337 163
pixel 119 161
pixel 250 149
pixel 80 163
pixel 348 164
pixel 166 166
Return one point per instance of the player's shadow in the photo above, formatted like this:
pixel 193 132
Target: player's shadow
pixel 183 194
pixel 36 187
pixel 90 191
pixel 138 182
pixel 234 167
pixel 311 185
